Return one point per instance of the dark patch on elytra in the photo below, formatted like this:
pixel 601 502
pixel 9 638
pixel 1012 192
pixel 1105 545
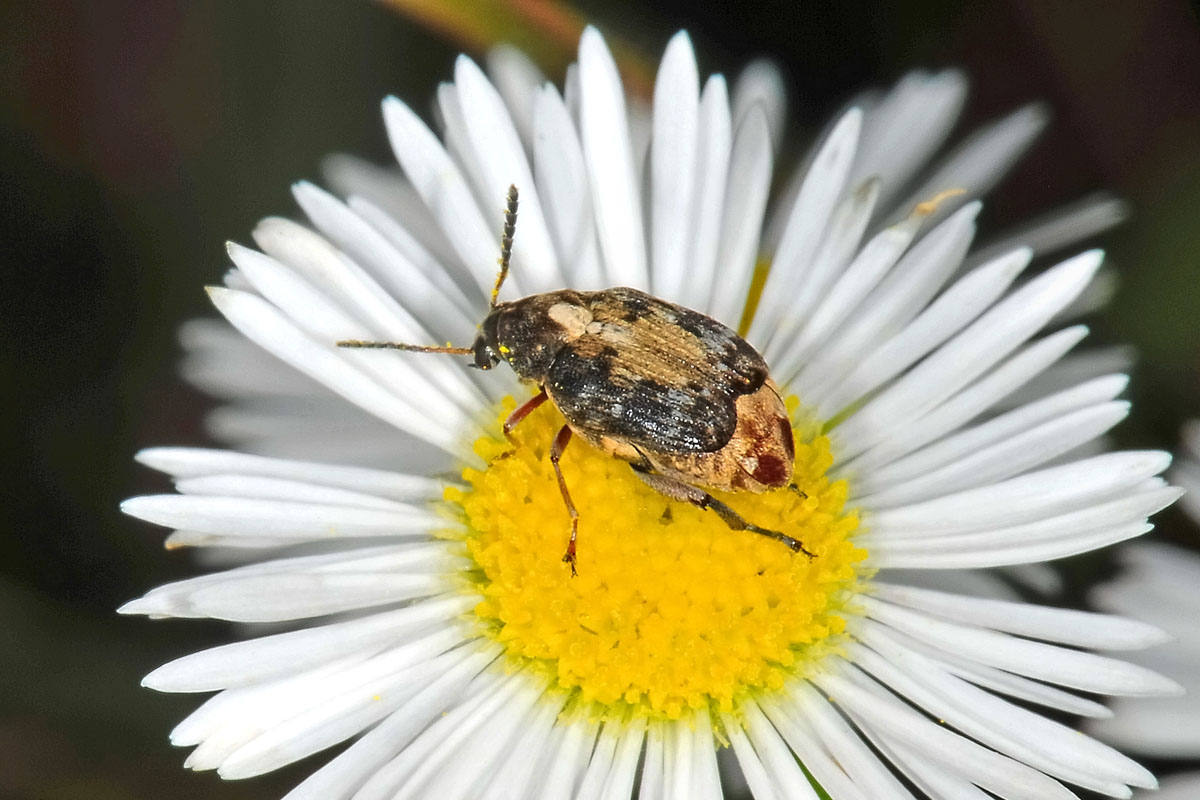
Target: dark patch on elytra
pixel 772 470
pixel 787 437
pixel 660 417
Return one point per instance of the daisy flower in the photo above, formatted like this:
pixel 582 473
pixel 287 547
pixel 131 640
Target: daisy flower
pixel 1158 583
pixel 410 559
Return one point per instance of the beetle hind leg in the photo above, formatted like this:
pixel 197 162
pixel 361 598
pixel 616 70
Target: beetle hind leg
pixel 678 490
pixel 556 451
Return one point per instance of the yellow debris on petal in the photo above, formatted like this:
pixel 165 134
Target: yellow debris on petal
pixel 671 609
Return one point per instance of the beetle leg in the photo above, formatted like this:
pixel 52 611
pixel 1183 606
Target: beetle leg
pixel 794 488
pixel 678 490
pixel 514 419
pixel 556 451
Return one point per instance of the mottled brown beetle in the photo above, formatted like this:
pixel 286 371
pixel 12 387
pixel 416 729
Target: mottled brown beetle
pixel 684 399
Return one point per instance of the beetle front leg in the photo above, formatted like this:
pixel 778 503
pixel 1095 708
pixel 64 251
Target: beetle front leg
pixel 678 490
pixel 514 419
pixel 556 451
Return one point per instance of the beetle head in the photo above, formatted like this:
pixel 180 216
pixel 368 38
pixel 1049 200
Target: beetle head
pixel 486 348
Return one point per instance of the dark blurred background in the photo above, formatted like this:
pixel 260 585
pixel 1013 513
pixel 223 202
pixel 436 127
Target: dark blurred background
pixel 136 137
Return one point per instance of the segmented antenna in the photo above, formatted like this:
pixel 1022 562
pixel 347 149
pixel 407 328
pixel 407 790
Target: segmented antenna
pixel 506 241
pixel 412 348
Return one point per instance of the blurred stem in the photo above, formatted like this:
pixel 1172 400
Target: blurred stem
pixel 545 30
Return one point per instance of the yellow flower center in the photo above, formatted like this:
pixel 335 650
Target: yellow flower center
pixel 671 608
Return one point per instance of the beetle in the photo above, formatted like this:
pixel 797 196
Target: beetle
pixel 688 403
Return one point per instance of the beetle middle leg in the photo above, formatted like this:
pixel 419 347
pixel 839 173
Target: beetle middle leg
pixel 556 451
pixel 678 490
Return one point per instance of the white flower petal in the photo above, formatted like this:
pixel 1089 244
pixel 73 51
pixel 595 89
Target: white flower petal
pixel 838 248
pixel 1027 498
pixel 1006 683
pixel 457 688
pixel 1060 228
pixel 844 296
pixel 673 149
pixel 1072 370
pixel 999 460
pixel 823 186
pixel 816 759
pixel 571 760
pixel 705 773
pixel 445 313
pixel 926 775
pixel 1058 665
pixel 1062 625
pixel 900 295
pixel 609 154
pixel 978 163
pixel 610 772
pixel 266 326
pixel 432 743
pixel 196 462
pixel 250 486
pixel 501 161
pixel 223 363
pixel 992 771
pixel 271 657
pixel 425 242
pixel 986 392
pixel 906 127
pixel 1030 738
pixel 370 309
pixel 762 785
pixel 600 763
pixel 713 154
pixel 996 430
pixel 442 186
pixel 460 765
pixel 969 354
pixel 862 765
pixel 760 85
pixel 516 774
pixel 678 756
pixel 256 516
pixel 306 586
pixel 517 79
pixel 653 777
pixel 619 785
pixel 345 705
pixel 325 429
pixel 561 174
pixel 787 779
pixel 749 181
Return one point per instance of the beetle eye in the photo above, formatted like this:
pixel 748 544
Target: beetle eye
pixel 485 357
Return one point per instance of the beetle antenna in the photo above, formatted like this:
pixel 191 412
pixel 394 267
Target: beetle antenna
pixel 506 241
pixel 411 348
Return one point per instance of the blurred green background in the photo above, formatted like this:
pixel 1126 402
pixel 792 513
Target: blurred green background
pixel 136 137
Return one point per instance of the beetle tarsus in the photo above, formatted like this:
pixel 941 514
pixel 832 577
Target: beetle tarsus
pixel 569 556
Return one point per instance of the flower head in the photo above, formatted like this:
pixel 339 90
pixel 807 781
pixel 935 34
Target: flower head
pixel 937 432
